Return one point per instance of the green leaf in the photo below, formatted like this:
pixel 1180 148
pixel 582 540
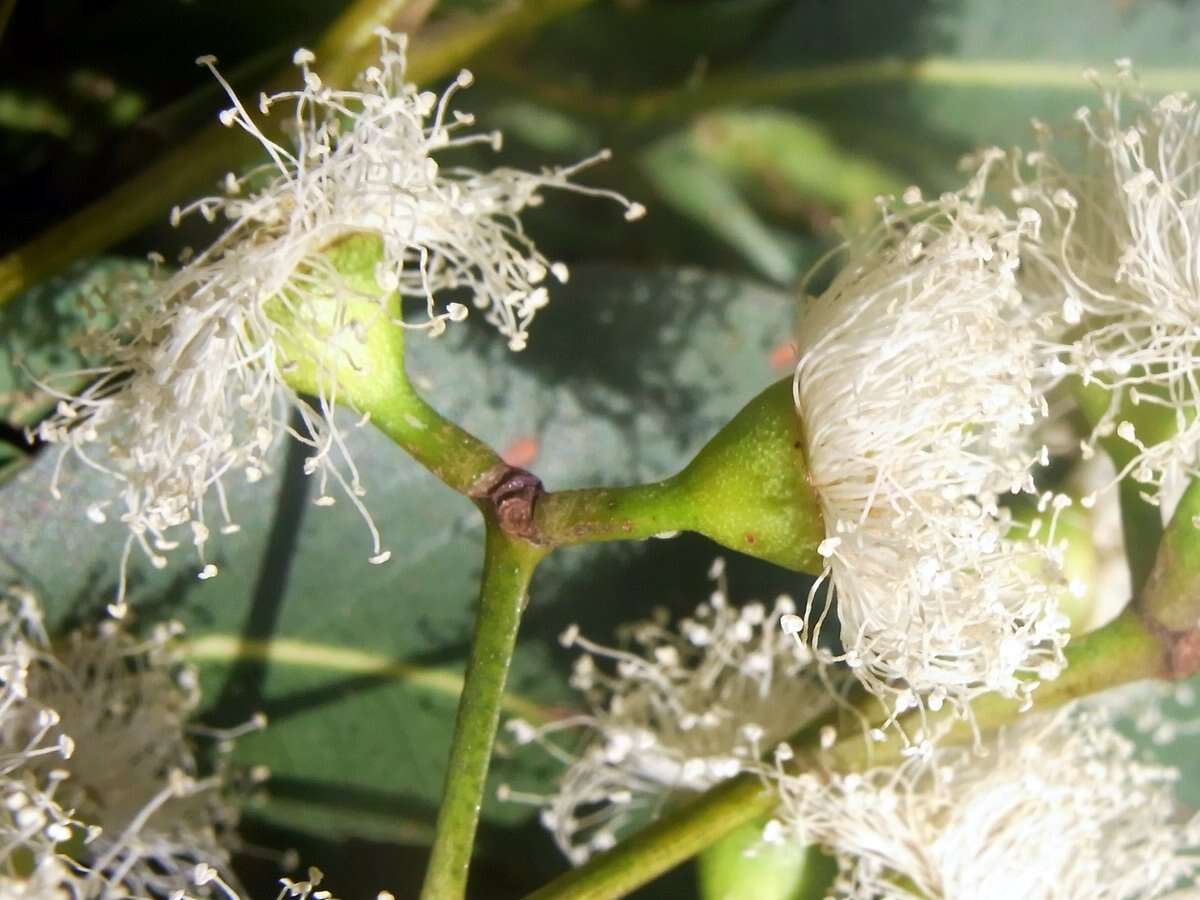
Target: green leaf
pixel 701 191
pixel 38 329
pixel 791 164
pixel 358 666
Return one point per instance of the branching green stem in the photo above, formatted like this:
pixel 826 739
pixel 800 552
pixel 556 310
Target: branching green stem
pixel 1125 650
pixel 508 566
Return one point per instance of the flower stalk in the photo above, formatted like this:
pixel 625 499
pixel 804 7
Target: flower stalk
pixel 1170 602
pixel 508 566
pixel 1141 522
pixel 747 489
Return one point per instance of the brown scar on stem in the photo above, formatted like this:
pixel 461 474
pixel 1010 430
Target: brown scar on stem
pixel 1184 653
pixel 512 493
pixel 1181 649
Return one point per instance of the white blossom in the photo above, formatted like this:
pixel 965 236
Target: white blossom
pixel 1059 808
pixel 100 789
pixel 917 391
pixel 1120 265
pixel 194 386
pixel 684 709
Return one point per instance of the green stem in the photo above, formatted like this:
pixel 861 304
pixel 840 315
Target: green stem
pixel 1141 522
pixel 370 373
pixel 665 843
pixel 1170 601
pixel 1125 650
pixel 613 514
pixel 198 162
pixel 1141 529
pixel 456 457
pixel 1172 593
pixel 747 489
pixel 508 566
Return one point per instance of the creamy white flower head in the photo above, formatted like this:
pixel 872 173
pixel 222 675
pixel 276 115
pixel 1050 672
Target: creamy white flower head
pixel 1057 808
pixel 32 820
pixel 1120 200
pixel 194 388
pixel 686 708
pixel 916 390
pixel 97 752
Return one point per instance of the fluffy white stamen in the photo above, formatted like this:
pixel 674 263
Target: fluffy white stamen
pixel 917 392
pixel 1121 260
pixel 685 708
pixel 1058 809
pixel 194 388
pixel 94 756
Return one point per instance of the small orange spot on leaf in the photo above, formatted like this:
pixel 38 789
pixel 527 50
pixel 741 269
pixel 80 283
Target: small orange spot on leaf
pixel 522 452
pixel 784 356
pixel 750 537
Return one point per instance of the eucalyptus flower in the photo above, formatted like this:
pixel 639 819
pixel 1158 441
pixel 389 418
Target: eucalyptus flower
pixel 195 387
pixel 1055 807
pixel 683 709
pixel 32 749
pixel 918 394
pixel 1120 201
pixel 101 790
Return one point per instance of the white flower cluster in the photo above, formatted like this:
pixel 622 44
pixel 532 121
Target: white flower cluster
pixel 918 393
pixel 686 708
pixel 921 389
pixel 100 790
pixel 1057 809
pixel 194 387
pixel 1120 264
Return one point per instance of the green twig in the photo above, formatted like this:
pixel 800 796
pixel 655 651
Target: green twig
pixel 198 162
pixel 747 488
pixel 6 11
pixel 1141 522
pixel 734 88
pixel 458 458
pixel 1123 651
pixel 1172 592
pixel 613 514
pixel 1170 601
pixel 508 566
